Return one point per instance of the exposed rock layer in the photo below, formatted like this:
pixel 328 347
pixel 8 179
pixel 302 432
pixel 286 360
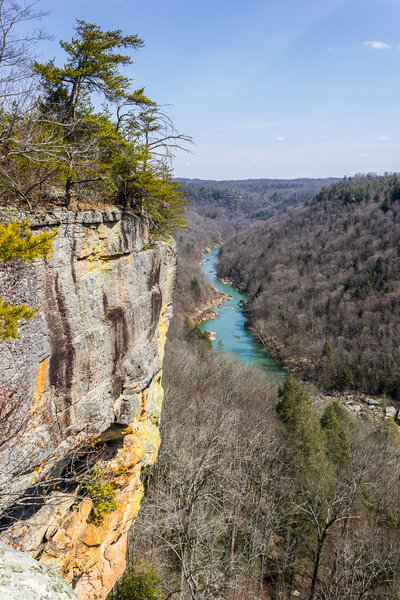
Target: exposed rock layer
pixel 22 578
pixel 90 367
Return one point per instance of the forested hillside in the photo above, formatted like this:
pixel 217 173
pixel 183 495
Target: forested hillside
pixel 220 209
pixel 241 202
pixel 246 501
pixel 257 493
pixel 324 285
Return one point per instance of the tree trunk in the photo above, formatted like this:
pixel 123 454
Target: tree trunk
pixel 316 564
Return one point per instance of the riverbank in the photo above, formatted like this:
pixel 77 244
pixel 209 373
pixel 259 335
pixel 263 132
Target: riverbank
pixel 207 312
pixel 226 322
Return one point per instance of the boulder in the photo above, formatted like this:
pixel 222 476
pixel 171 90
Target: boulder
pixel 390 411
pixel 372 401
pixel 23 578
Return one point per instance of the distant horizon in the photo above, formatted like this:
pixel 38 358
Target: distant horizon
pixel 177 177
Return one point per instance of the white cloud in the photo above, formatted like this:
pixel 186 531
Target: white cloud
pixel 376 45
pixel 363 155
pixel 280 138
pixel 384 138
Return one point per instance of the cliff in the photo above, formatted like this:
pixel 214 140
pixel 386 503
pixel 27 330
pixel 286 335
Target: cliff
pixel 85 374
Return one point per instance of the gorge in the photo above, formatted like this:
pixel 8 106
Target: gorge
pixel 278 475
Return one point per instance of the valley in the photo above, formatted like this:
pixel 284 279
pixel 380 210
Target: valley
pixel 199 377
pixel 258 492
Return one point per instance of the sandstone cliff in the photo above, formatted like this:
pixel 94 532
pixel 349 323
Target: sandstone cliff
pixel 88 366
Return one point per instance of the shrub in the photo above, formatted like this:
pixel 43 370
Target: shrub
pixel 101 492
pixel 138 583
pixel 328 352
pixel 196 289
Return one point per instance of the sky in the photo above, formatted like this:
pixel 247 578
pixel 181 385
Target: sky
pixel 266 88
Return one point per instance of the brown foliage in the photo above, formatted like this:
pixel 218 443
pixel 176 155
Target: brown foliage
pixel 328 272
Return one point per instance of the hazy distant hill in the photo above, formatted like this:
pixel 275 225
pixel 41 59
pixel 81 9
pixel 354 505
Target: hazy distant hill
pixel 324 279
pixel 249 199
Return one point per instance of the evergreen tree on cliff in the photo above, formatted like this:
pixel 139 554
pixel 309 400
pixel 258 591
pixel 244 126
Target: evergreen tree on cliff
pixel 92 65
pixel 131 157
pixel 120 154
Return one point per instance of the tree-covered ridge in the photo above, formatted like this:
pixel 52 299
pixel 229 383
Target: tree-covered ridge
pixel 218 210
pixel 361 188
pixel 324 282
pixel 57 147
pixel 252 199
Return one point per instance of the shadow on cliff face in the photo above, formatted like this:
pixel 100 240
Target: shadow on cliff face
pixel 120 335
pixel 62 357
pixel 62 481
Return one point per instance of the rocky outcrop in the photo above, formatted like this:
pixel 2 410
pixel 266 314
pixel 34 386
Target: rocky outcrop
pixel 207 312
pixel 86 370
pixel 23 578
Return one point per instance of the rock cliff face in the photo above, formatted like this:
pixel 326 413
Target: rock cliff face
pixel 87 367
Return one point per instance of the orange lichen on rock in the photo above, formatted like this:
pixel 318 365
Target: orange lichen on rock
pixel 40 383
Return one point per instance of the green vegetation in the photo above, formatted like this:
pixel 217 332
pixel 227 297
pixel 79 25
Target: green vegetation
pixel 328 352
pixel 11 316
pixel 18 243
pixel 327 488
pixel 196 289
pixel 338 429
pixel 101 492
pixel 92 66
pixel 139 582
pixel 194 332
pixel 303 435
pixel 62 149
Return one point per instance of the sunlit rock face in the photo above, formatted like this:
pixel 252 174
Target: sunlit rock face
pixel 88 367
pixel 23 578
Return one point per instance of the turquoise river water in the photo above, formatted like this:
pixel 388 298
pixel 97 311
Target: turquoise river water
pixel 229 325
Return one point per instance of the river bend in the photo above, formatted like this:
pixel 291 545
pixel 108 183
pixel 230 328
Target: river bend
pixel 229 325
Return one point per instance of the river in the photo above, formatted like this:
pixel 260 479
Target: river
pixel 229 325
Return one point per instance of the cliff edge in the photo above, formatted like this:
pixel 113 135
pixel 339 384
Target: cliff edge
pixel 85 375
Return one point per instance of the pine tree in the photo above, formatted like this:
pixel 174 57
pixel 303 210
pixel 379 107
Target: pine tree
pixel 196 289
pixel 339 430
pixel 304 438
pixel 92 66
pixel 328 352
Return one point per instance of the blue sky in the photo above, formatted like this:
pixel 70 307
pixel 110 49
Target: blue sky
pixel 266 88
